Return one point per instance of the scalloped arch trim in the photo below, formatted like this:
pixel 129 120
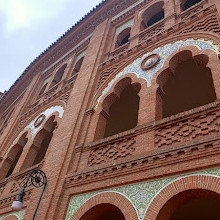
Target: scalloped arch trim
pixel 164 52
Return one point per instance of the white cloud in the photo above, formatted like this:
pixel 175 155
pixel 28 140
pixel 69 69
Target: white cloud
pixel 26 13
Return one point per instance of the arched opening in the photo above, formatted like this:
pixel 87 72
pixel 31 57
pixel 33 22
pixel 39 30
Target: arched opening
pixel 40 145
pixel 43 139
pixel 123 37
pixel 77 66
pixel 13 156
pixel 103 211
pixel 123 113
pixel 185 4
pixel 191 204
pixel 152 15
pixel 43 89
pixel 185 85
pixel 58 76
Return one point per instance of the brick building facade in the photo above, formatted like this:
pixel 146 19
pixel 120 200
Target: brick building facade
pixel 122 113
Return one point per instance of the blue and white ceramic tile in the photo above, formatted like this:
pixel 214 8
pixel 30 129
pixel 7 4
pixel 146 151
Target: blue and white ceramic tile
pixel 164 52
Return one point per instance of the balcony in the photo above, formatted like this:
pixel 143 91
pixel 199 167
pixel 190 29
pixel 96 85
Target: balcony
pixel 185 136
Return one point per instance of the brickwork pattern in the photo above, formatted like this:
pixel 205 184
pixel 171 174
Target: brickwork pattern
pixel 188 130
pixel 111 152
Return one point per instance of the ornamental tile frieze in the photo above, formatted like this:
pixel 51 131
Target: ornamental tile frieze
pixel 35 125
pixel 19 215
pixel 162 53
pixel 139 194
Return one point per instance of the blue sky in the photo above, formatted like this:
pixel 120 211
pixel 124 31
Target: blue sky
pixel 28 27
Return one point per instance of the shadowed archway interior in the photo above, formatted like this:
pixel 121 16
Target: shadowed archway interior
pixel 195 204
pixel 103 211
pixel 123 114
pixel 190 86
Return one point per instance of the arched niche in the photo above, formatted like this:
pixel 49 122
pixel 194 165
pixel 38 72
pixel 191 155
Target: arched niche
pixel 77 66
pixel 186 4
pixel 40 143
pixel 58 75
pixel 123 37
pixel 152 15
pixel 186 84
pixel 119 110
pixel 13 156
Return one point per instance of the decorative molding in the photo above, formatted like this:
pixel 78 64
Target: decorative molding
pixel 127 10
pixel 140 194
pixel 124 26
pixel 73 50
pixel 205 125
pixel 111 152
pixel 164 52
pixel 19 214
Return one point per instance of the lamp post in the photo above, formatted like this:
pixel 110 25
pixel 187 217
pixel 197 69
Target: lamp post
pixel 38 179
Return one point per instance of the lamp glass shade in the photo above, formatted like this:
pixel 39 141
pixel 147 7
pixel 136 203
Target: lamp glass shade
pixel 17 205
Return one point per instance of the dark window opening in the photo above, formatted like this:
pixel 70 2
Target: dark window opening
pixel 14 155
pixel 157 17
pixel 125 40
pixel 123 37
pixel 189 87
pixel 103 212
pixel 123 112
pixel 58 76
pixel 78 65
pixel 189 4
pixel 10 171
pixel 195 204
pixel 152 15
pixel 42 89
pixel 46 138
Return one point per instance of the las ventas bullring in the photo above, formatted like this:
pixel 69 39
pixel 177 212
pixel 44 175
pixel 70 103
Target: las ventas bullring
pixel 119 119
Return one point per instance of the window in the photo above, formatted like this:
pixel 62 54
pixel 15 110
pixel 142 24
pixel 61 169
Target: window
pixel 77 66
pixel 119 109
pixel 185 85
pixel 123 37
pixel 152 15
pixel 40 144
pixel 58 76
pixel 13 157
pixel 186 4
pixel 123 113
pixel 44 86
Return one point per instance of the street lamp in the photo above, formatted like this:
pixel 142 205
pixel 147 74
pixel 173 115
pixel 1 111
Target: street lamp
pixel 38 179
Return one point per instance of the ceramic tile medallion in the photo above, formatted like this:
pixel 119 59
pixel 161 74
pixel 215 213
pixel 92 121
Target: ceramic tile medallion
pixel 19 215
pixel 36 124
pixel 139 194
pixel 163 53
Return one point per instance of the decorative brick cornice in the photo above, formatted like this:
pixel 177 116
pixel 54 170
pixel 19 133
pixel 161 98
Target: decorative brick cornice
pixel 159 158
pixel 73 36
pixel 104 160
pixel 157 36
